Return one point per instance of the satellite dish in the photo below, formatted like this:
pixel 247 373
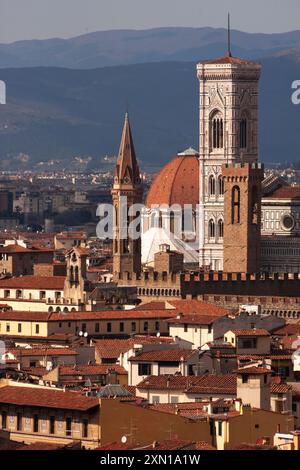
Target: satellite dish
pixel 124 439
pixel 158 335
pixel 80 333
pixel 85 334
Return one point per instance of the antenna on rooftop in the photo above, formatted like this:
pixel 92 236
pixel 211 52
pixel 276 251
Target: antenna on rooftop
pixel 229 36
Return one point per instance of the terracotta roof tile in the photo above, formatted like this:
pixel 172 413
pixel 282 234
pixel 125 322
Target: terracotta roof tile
pixel 193 320
pixel 46 398
pixel 192 384
pixel 112 348
pixel 164 355
pixel 92 369
pixel 252 332
pixel 34 282
pixel 176 183
pixel 285 192
pixel 228 59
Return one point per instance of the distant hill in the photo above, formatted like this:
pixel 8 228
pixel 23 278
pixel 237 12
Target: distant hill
pixel 123 47
pixel 56 113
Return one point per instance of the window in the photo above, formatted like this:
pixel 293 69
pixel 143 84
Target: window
pixel 52 424
pixel 217 130
pixel 236 205
pixel 37 329
pixel 146 326
pixel 4 420
pixel 108 327
pixel 221 185
pixel 122 327
pixel 85 428
pixel 6 294
pixel 186 327
pixel 243 133
pixel 211 229
pixel 19 422
pixel 144 369
pixel 257 426
pixel 68 426
pixel 157 326
pixel 245 378
pixel 212 186
pixel 7 327
pixel 220 228
pixel 294 407
pixel 133 327
pixel 209 329
pixel 174 399
pixel 220 428
pixel 155 399
pixel 97 327
pixel 32 364
pixel 42 294
pixel 249 343
pixel 19 327
pixel 35 423
pixel 19 294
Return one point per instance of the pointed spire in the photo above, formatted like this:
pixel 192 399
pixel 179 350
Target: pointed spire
pixel 229 36
pixel 127 170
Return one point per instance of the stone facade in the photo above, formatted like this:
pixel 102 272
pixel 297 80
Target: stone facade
pixel 228 134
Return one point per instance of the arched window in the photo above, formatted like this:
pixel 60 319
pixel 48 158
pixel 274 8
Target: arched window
pixel 243 133
pixel 236 205
pixel 220 228
pixel 221 185
pixel 217 131
pixel 212 185
pixel 211 229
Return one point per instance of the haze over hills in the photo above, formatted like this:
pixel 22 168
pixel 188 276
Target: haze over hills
pixel 56 113
pixel 123 47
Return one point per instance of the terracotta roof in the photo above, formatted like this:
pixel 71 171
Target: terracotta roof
pixel 191 384
pixel 82 316
pixel 22 352
pixel 254 370
pixel 91 369
pixel 15 248
pixel 34 282
pixel 197 307
pixel 280 388
pixel 193 320
pixel 164 355
pixel 285 192
pixel 112 348
pixel 228 59
pixel 251 332
pixel 46 398
pixel 113 315
pixel 30 316
pixel 176 183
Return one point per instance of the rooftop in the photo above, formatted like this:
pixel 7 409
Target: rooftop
pixel 46 398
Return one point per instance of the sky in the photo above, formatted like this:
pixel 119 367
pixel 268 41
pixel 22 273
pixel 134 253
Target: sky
pixel 41 19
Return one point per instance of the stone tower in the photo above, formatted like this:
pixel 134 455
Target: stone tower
pixel 242 217
pixel 228 134
pixel 127 191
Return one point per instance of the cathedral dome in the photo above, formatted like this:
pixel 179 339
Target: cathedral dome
pixel 177 182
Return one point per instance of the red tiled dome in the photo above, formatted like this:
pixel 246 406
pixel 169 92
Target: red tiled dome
pixel 177 182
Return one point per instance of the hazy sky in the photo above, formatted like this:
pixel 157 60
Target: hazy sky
pixel 28 19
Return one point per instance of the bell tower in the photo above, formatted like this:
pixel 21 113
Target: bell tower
pixel 228 134
pixel 127 191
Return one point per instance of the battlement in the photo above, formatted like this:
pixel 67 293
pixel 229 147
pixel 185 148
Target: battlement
pixel 242 169
pixel 277 284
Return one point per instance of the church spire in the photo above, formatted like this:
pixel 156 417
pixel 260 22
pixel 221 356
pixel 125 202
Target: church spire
pixel 127 169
